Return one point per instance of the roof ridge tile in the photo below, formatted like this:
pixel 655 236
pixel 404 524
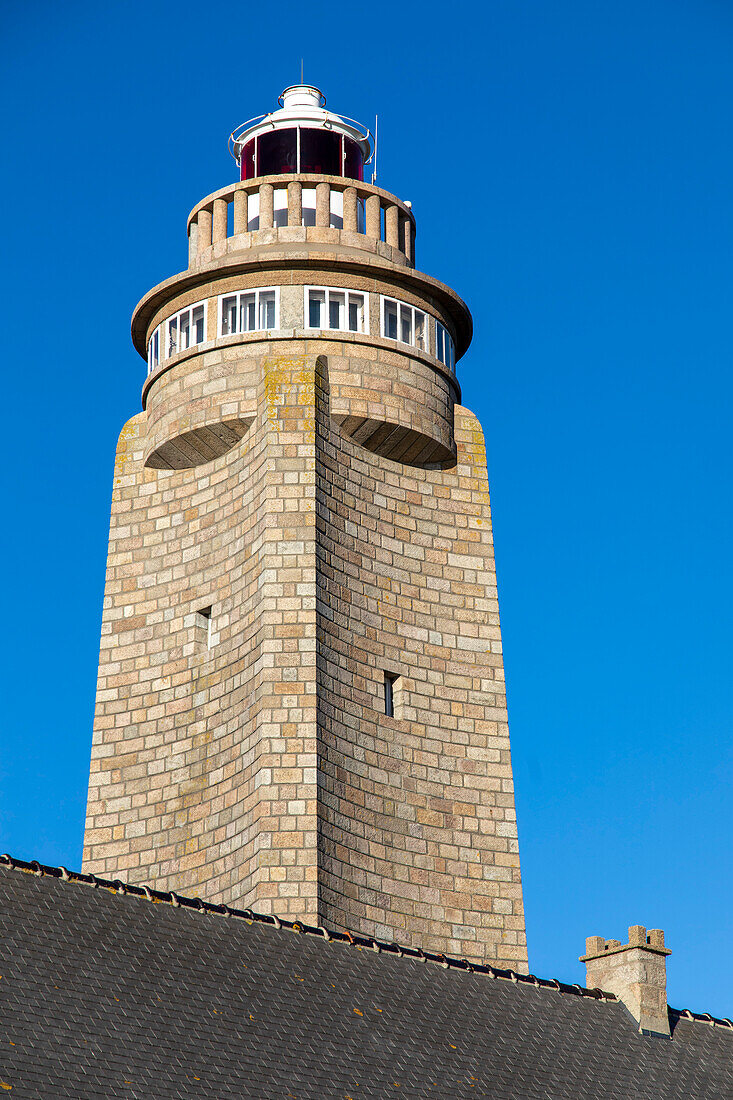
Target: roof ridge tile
pixel 331 935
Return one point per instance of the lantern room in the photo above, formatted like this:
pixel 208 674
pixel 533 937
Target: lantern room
pixel 302 137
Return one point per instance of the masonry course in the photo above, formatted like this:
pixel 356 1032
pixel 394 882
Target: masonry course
pixel 296 514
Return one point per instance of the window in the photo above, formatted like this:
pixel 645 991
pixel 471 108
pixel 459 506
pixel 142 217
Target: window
pixel 321 152
pixel 203 623
pixel 249 311
pixel 184 330
pixel 203 626
pixel 391 693
pixel 154 351
pixel 302 149
pixel 404 323
pixel 327 308
pixel 444 349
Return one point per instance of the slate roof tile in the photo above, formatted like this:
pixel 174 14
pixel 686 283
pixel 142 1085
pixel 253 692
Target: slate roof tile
pixel 106 995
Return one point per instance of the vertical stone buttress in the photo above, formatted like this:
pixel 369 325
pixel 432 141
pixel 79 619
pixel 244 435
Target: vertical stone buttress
pixel 271 557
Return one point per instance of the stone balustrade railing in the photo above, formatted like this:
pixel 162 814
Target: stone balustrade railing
pixel 361 209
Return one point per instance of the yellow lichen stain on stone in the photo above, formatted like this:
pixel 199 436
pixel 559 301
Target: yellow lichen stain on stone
pixel 290 381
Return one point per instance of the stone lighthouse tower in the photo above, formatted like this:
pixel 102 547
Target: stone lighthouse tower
pixel 301 704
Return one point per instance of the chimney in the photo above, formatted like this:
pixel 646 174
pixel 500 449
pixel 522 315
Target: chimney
pixel 636 972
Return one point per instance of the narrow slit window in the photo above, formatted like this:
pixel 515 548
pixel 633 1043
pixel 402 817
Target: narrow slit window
pixel 203 624
pixel 390 689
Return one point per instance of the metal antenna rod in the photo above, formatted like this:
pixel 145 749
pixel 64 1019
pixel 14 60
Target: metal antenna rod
pixel 301 70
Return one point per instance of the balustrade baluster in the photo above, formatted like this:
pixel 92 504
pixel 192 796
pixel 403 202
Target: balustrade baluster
pixel 407 239
pixel 373 217
pixel 240 211
pixel 295 204
pixel 193 240
pixel 392 226
pixel 267 198
pixel 323 205
pixel 351 210
pixel 204 234
pixel 221 213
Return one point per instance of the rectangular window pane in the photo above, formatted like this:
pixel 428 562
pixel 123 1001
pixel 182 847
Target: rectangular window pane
pixel 198 325
pixel 185 330
pixel 267 309
pixel 390 319
pixel 444 345
pixel 277 152
pixel 420 330
pixel 316 303
pixel 335 310
pixel 320 152
pixel 172 336
pixel 154 351
pixel 247 314
pixel 228 315
pixel 391 693
pixel 405 324
pixel 356 312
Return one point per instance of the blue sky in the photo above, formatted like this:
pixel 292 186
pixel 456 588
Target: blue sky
pixel 587 149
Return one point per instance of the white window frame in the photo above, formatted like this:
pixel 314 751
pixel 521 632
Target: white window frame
pixel 446 356
pixel 328 290
pixel 154 335
pixel 257 291
pixel 165 327
pixel 384 298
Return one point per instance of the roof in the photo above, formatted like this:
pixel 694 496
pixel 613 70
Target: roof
pixel 106 995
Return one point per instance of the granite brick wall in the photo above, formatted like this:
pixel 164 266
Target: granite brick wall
pixel 262 770
pixel 295 515
pixel 418 830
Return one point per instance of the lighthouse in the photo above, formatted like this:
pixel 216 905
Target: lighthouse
pixel 300 704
